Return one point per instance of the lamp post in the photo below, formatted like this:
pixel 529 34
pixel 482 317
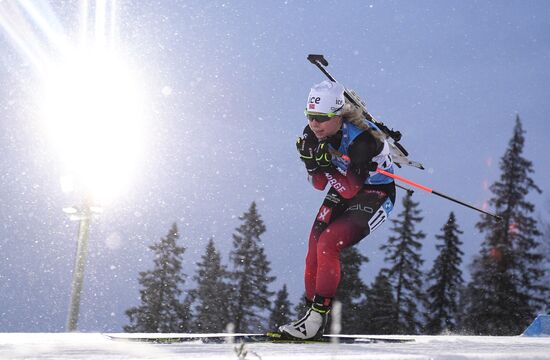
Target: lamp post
pixel 83 214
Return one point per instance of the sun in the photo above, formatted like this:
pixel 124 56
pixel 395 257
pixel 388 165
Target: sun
pixel 92 99
pixel 92 110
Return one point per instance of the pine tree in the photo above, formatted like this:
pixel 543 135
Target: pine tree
pixel 403 254
pixel 351 290
pixel 506 288
pixel 160 309
pixel 378 309
pixel 250 275
pixel 464 299
pixel 212 292
pixel 282 312
pixel 185 313
pixel 546 250
pixel 446 279
pixel 302 306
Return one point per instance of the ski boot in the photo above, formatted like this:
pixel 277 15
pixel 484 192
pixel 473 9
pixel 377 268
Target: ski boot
pixel 312 325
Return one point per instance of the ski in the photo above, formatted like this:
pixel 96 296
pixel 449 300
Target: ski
pixel 270 337
pixel 330 338
pixel 397 151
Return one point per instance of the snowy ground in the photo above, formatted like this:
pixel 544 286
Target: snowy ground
pixel 97 346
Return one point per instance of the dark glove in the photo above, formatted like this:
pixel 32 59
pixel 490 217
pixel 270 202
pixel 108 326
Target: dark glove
pixel 373 165
pixel 309 136
pixel 306 149
pixel 322 154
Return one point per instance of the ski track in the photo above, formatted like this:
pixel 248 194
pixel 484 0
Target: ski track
pixel 97 346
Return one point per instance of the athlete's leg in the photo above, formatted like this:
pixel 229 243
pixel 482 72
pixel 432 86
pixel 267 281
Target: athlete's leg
pixel 331 208
pixel 363 214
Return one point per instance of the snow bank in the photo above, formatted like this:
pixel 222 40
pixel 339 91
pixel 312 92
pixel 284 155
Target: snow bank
pixel 97 346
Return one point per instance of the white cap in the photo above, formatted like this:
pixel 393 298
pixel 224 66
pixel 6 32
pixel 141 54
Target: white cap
pixel 326 97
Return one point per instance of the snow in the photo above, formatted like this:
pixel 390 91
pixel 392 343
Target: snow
pixel 98 346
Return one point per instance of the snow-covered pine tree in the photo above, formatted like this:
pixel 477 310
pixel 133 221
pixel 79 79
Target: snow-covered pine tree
pixel 160 309
pixel 506 289
pixel 212 292
pixel 351 289
pixel 546 250
pixel 250 295
pixel 446 281
pixel 378 309
pixel 281 313
pixel 185 313
pixel 403 254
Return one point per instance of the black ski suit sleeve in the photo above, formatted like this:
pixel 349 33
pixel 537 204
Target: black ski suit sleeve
pixel 361 151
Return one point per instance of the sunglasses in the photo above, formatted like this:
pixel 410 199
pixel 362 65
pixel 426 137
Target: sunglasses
pixel 321 117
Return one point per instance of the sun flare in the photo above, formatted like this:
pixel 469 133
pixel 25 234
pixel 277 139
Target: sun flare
pixel 92 112
pixel 91 98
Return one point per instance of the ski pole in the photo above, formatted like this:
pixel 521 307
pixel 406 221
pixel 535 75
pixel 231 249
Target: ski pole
pixel 422 187
pixel 410 191
pixel 427 189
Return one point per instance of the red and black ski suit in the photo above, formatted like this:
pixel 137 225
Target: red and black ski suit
pixel 351 210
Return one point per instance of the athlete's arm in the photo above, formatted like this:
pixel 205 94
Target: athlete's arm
pixel 318 180
pixel 361 151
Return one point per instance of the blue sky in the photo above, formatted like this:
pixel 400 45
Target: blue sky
pixel 451 76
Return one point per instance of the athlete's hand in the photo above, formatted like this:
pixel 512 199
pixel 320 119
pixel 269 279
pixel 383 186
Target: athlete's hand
pixel 373 165
pixel 322 154
pixel 306 149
